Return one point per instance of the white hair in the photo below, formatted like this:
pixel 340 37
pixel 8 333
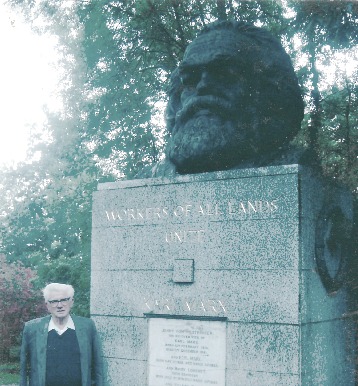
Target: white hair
pixel 54 287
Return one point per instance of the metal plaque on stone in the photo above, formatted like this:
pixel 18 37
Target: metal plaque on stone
pixel 186 352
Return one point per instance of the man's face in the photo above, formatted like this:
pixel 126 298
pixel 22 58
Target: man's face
pixel 59 304
pixel 214 121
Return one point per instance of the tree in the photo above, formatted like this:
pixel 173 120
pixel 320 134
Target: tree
pixel 324 28
pixel 68 270
pixel 134 46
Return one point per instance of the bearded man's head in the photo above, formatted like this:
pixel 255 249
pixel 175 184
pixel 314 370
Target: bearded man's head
pixel 234 98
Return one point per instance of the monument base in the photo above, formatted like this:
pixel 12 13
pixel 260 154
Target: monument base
pixel 225 279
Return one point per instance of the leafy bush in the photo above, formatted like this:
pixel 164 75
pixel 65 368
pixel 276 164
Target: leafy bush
pixel 73 270
pixel 19 302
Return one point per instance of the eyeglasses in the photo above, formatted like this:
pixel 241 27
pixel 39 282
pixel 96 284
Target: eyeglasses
pixel 55 303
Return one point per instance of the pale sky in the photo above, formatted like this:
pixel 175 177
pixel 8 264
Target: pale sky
pixel 28 81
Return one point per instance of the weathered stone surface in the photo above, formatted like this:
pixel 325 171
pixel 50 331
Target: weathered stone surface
pixel 115 333
pixel 246 244
pixel 253 378
pixel 260 348
pixel 124 372
pixel 325 354
pixel 250 239
pixel 246 295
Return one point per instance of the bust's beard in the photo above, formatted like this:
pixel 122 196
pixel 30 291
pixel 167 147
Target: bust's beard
pixel 203 143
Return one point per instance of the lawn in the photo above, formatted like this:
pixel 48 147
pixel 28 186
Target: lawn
pixel 9 373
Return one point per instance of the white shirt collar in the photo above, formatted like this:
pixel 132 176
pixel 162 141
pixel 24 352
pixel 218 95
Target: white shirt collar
pixel 69 324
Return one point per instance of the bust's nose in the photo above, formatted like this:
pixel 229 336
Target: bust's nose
pixel 205 82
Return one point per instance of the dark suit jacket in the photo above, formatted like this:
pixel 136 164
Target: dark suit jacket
pixel 34 345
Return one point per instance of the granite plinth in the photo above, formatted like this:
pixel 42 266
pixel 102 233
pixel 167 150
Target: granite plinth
pixel 236 246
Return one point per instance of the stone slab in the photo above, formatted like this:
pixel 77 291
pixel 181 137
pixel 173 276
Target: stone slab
pixel 325 355
pixel 114 333
pixel 194 202
pixel 260 348
pixel 124 372
pixel 246 295
pixel 252 378
pixel 315 305
pixel 252 244
pixel 183 271
pixel 249 236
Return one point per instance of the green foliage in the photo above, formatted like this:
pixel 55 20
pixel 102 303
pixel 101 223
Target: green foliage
pixel 69 270
pixel 326 28
pixel 339 133
pixel 9 374
pixel 19 302
pixel 131 48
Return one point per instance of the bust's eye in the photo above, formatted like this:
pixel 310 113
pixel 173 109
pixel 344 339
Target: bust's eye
pixel 233 72
pixel 190 78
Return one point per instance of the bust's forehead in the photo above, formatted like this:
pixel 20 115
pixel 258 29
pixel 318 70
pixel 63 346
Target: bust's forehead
pixel 214 45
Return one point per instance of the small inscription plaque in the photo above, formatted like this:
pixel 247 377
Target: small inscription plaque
pixel 186 352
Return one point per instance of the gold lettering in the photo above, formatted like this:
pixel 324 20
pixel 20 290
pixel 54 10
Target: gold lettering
pixel 217 210
pixel 209 210
pixel 250 207
pixel 130 214
pixel 274 206
pixel 146 303
pixel 187 305
pixel 222 306
pixel 113 216
pixel 178 235
pixel 201 210
pixel 186 236
pixel 242 207
pixel 177 210
pixel 187 209
pixel 156 212
pixel 258 206
pixel 211 304
pixel 166 305
pixel 231 209
pixel 139 214
pixel 202 306
pixel 148 213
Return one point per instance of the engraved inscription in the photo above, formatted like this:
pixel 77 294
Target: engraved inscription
pixel 234 208
pixel 202 306
pixel 185 236
pixel 186 352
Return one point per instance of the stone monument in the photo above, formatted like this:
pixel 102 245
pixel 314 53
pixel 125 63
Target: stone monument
pixel 224 264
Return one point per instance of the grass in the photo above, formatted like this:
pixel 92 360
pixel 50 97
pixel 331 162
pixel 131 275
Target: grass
pixel 9 373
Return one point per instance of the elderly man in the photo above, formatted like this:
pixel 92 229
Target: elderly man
pixel 234 102
pixel 60 349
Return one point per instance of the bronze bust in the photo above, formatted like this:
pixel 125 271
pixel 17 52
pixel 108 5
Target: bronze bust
pixel 234 101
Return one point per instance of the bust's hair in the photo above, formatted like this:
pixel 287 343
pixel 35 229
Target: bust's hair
pixel 54 287
pixel 276 80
